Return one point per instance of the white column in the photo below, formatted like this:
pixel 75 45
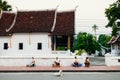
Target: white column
pixel 49 43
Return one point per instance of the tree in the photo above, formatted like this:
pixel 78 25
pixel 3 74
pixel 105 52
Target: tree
pixel 113 15
pixel 115 31
pixel 95 27
pixel 4 6
pixel 85 41
pixel 103 40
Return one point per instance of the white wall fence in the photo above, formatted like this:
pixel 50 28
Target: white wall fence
pixel 111 60
pixel 41 60
pixel 48 59
pixel 61 52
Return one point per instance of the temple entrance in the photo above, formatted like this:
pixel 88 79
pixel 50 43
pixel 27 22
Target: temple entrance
pixel 62 42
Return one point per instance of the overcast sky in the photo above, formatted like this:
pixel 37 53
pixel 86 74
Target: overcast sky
pixel 88 12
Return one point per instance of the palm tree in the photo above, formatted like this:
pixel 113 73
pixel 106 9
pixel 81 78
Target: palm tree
pixel 4 6
pixel 95 27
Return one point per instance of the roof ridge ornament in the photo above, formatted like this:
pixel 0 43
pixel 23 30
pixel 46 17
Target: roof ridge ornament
pixel 55 17
pixel 76 7
pixel 14 21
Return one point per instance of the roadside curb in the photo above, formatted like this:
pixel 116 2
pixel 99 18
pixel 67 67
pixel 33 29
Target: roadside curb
pixel 56 69
pixel 6 71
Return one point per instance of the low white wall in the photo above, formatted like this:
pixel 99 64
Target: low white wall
pixel 40 60
pixel 111 60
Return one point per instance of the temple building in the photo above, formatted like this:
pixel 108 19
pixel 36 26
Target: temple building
pixel 27 32
pixel 115 45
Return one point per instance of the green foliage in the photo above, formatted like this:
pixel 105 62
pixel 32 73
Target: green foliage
pixel 5 6
pixel 115 31
pixel 87 42
pixel 80 52
pixel 103 40
pixel 61 48
pixel 113 15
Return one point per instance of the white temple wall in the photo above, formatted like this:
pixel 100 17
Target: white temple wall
pixel 30 43
pixel 3 39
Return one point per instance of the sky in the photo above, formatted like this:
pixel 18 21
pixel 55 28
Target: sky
pixel 87 12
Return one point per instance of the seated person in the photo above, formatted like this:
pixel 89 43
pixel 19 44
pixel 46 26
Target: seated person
pixel 87 62
pixel 57 62
pixel 75 64
pixel 32 64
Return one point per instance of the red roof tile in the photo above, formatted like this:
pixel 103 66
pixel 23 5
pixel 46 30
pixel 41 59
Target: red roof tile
pixel 37 21
pixel 34 21
pixel 64 23
pixel 5 21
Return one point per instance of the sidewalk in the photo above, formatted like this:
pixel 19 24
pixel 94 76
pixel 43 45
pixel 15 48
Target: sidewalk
pixel 64 68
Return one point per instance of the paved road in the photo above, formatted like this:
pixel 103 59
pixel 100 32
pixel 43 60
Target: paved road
pixel 97 61
pixel 66 76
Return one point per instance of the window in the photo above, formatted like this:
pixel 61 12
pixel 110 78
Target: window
pixel 39 46
pixel 5 46
pixel 20 46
